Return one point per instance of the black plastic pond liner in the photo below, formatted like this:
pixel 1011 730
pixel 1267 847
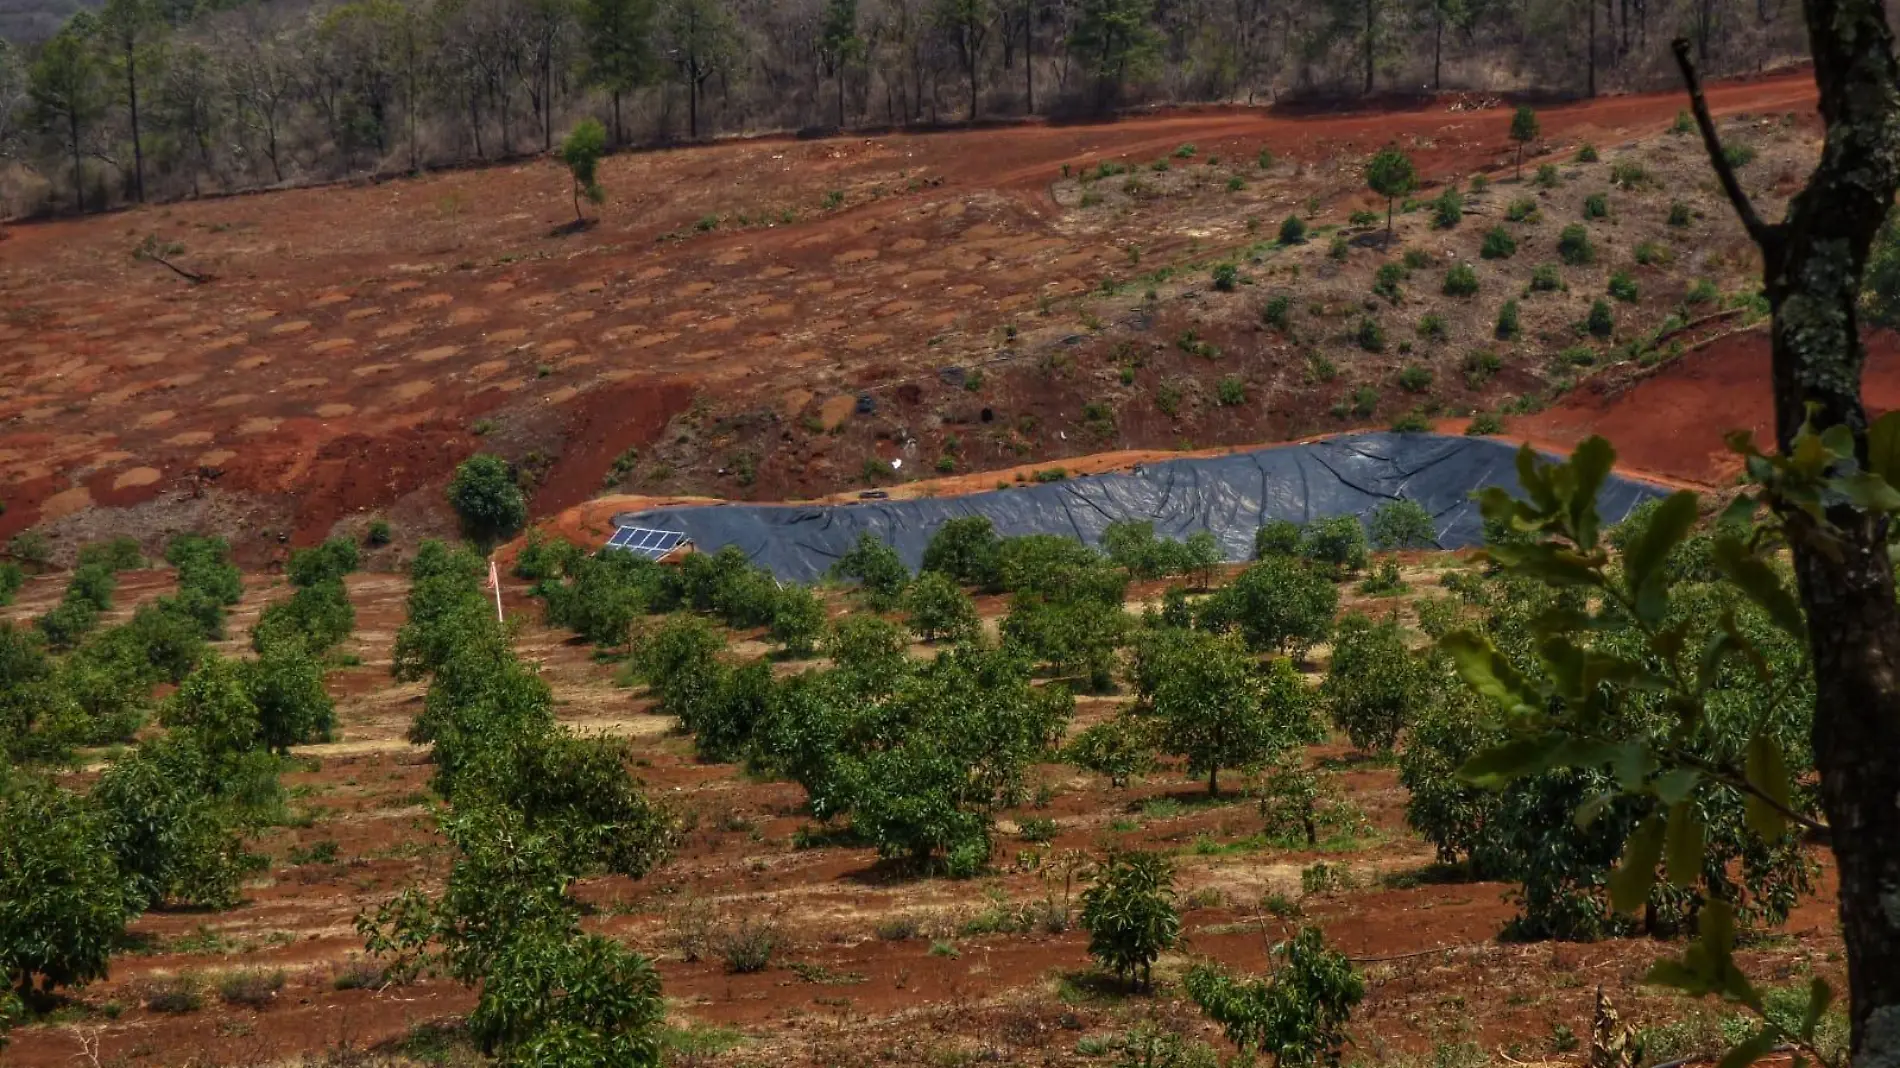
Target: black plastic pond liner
pixel 1229 495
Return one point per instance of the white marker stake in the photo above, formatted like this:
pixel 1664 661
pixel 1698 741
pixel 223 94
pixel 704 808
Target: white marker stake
pixel 494 580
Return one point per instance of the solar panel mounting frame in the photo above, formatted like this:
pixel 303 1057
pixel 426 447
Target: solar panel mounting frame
pixel 646 541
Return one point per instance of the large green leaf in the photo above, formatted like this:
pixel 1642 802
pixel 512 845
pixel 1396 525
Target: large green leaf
pixel 1682 846
pixel 1498 765
pixel 1748 1051
pixel 1767 771
pixel 1762 585
pixel 1883 447
pixel 1643 559
pixel 1630 882
pixel 1485 670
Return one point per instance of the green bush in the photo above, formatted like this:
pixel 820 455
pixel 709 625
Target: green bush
pixel 1415 379
pixel 1297 1016
pixel 1278 312
pixel 1623 287
pixel 11 579
pixel 1601 322
pixel 1484 423
pixel 1403 524
pixel 798 619
pixel 1431 326
pixel 1369 335
pixel 1226 277
pixel 1546 176
pixel 1412 422
pixel 1679 214
pixel 939 609
pixel 487 500
pixel 1230 391
pixel 876 567
pixel 1546 278
pixel 328 562
pixel 1293 230
pixel 1277 537
pixel 119 554
pixel 1498 244
pixel 30 547
pixel 1573 246
pixel 1701 291
pixel 377 534
pixel 285 685
pixel 1277 603
pixel 1523 209
pixel 1119 748
pixel 1448 209
pixel 1338 542
pixel 320 616
pixel 1587 154
pixel 1385 281
pixel 65 907
pixel 1374 687
pixel 1461 280
pixel 1596 206
pixel 1214 707
pixel 967 549
pixel 1508 325
pixel 1130 915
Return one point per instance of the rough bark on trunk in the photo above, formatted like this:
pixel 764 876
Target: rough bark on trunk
pixel 1812 267
pixel 132 100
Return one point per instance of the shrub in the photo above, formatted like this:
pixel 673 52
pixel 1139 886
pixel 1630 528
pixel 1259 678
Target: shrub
pixel 1508 326
pixel 1649 253
pixel 798 618
pixel 1628 173
pixel 1498 244
pixel 1415 379
pixel 377 534
pixel 1298 1015
pixel 878 570
pixel 1432 326
pixel 253 988
pixel 1461 280
pixel 1701 291
pixel 330 561
pixel 1545 278
pixel 1370 335
pixel 30 547
pixel 1278 312
pixel 1623 287
pixel 1277 537
pixel 487 500
pixel 1416 259
pixel 1119 748
pixel 1596 206
pixel 1226 277
pixel 1403 524
pixel 1448 210
pixel 1129 913
pixel 1739 154
pixel 1231 391
pixel 1277 603
pixel 1365 400
pixel 1385 281
pixel 939 609
pixel 11 579
pixel 1292 230
pixel 1601 322
pixel 1412 422
pixel 1587 154
pixel 1679 215
pixel 748 946
pixel 65 907
pixel 1338 542
pixel 285 686
pixel 1523 209
pixel 119 554
pixel 1374 687
pixel 1339 248
pixel 1573 246
pixel 1546 176
pixel 966 549
pixel 1484 423
pixel 175 995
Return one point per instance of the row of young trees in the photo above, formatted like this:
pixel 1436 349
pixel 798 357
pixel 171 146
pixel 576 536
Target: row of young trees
pixel 531 809
pixel 165 822
pixel 153 98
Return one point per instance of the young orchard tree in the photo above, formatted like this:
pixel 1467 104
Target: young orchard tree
pixel 1129 913
pixel 939 609
pixel 1374 687
pixel 581 152
pixel 1391 175
pixel 879 571
pixel 1403 524
pixel 1217 707
pixel 798 619
pixel 1298 1015
pixel 1523 130
pixel 64 904
pixel 486 498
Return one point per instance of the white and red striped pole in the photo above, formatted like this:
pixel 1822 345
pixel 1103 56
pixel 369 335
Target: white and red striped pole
pixel 494 583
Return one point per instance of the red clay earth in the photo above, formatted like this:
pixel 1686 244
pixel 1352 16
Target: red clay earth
pixel 1672 422
pixel 356 338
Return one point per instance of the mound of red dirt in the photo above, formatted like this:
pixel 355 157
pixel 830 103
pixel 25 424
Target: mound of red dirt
pixel 1671 423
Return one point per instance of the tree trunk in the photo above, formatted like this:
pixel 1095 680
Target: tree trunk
pixel 1592 46
pixel 841 96
pixel 1388 222
pixel 973 61
pixel 79 168
pixel 619 135
pixel 132 99
pixel 1213 782
pixel 1438 47
pixel 692 95
pixel 1029 59
pixel 1812 269
pixel 1369 46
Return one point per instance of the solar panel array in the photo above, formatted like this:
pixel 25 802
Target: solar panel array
pixel 649 543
